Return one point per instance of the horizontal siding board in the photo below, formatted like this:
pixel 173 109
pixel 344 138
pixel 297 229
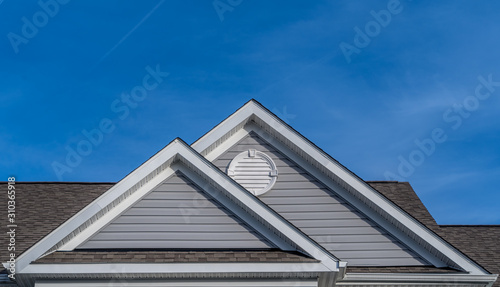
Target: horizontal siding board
pixel 184 227
pixel 332 222
pixel 184 244
pixel 295 177
pixel 296 185
pixel 325 231
pixel 303 192
pixel 360 246
pixel 176 187
pixel 360 254
pixel 314 215
pixel 294 200
pixel 342 238
pixel 175 195
pixel 310 207
pixel 173 236
pixel 136 211
pixel 176 219
pixel 174 203
pixel 177 214
pixel 385 261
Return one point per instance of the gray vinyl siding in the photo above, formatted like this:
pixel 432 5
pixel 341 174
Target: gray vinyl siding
pixel 324 216
pixel 177 215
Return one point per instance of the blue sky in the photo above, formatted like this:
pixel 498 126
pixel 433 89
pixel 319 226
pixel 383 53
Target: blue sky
pixel 413 78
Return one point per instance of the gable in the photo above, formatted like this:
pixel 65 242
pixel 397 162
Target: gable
pixel 177 215
pixel 415 235
pixel 176 169
pixel 323 215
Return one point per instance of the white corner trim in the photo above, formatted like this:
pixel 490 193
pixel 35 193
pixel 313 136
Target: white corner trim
pixel 166 268
pixel 364 190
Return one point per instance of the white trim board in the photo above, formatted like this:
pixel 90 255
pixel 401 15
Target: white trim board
pixel 166 268
pixel 406 279
pixel 228 283
pixel 424 241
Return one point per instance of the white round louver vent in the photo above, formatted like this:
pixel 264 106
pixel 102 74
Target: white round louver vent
pixel 254 170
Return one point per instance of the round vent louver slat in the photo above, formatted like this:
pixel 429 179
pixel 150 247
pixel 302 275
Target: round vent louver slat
pixel 254 170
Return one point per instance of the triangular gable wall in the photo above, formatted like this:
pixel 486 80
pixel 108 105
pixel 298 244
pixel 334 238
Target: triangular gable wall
pixel 255 117
pixel 178 156
pixel 323 215
pixel 177 215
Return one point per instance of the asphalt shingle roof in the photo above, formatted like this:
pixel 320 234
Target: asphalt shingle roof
pixel 173 256
pixel 481 243
pixel 41 207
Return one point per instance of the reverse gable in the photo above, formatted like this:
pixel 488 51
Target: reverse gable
pixel 323 215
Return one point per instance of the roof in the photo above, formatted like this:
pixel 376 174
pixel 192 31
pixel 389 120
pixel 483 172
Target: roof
pixel 403 195
pixel 138 256
pixel 43 206
pixel 481 243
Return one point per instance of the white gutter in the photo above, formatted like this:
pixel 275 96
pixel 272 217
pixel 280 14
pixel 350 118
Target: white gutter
pixel 403 279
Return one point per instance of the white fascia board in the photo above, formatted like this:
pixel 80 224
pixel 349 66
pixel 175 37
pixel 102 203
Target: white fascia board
pixel 234 139
pixel 97 205
pixel 254 109
pixel 224 127
pixel 401 278
pixel 158 283
pixel 174 268
pixel 257 206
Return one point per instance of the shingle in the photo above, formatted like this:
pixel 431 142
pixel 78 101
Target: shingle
pixel 41 207
pixel 481 243
pixel 138 256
